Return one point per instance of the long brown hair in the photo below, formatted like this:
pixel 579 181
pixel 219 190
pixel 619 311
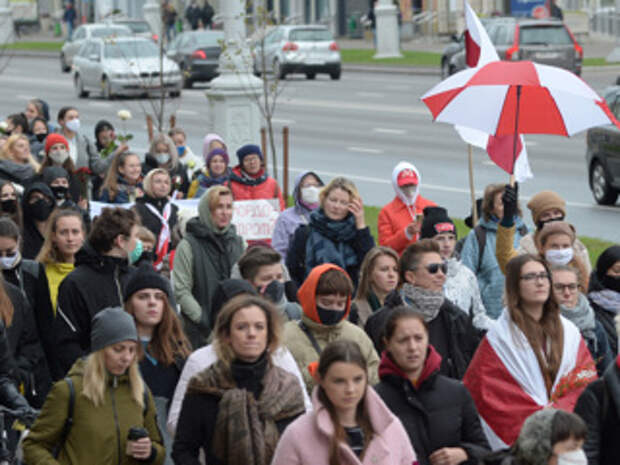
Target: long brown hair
pixel 111 180
pixel 368 266
pixel 348 352
pixel 68 164
pixel 49 252
pixel 548 331
pixel 6 306
pixel 168 340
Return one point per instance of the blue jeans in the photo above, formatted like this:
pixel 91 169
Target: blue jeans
pixel 69 30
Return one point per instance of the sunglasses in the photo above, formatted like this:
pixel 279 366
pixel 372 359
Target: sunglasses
pixel 433 268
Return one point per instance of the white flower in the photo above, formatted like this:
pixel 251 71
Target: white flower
pixel 124 115
pixel 3 126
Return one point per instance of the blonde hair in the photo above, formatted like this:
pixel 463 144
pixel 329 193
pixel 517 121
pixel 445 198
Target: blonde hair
pixel 146 235
pixel 223 323
pixel 49 252
pixel 96 379
pixel 147 182
pixel 7 150
pixel 172 149
pixel 214 194
pixel 111 179
pixel 339 183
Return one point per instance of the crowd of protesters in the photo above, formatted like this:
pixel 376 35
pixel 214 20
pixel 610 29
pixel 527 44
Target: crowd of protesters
pixel 146 333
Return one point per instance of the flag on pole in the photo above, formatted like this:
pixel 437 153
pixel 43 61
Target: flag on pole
pixel 479 50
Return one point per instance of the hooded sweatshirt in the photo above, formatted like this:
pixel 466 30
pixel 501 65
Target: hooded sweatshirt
pixel 400 212
pixel 435 410
pixel 299 343
pixel 203 258
pixel 32 237
pixel 291 218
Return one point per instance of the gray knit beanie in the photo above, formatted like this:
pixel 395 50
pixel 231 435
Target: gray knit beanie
pixel 533 446
pixel 110 326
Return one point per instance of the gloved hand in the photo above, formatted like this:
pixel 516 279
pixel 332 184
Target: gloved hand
pixel 27 415
pixel 510 200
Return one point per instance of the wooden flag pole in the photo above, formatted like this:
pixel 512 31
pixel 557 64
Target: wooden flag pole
pixel 472 189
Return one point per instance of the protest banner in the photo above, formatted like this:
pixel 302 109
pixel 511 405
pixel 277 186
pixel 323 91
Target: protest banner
pixel 255 219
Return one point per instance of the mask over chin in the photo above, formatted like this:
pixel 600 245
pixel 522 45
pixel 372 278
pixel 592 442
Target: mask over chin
pixel 559 257
pixel 611 282
pixel 330 317
pixel 274 291
pixel 540 224
pixel 136 253
pixel 8 206
pixel 40 210
pixel 8 263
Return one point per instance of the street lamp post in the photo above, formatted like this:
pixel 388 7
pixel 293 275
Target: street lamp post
pixel 233 95
pixel 6 23
pixel 386 15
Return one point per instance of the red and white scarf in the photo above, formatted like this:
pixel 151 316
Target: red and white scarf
pixel 163 241
pixel 506 383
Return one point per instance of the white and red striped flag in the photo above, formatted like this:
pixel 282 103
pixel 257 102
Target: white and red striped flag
pixel 479 50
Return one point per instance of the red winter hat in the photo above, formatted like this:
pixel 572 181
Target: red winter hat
pixel 55 138
pixel 407 176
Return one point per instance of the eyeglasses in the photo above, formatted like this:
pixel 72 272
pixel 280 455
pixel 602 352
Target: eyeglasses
pixel 561 287
pixel 543 276
pixel 433 268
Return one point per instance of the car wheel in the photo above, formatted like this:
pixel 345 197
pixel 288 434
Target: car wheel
pixel 63 65
pixel 445 68
pixel 79 87
pixel 335 75
pixel 106 89
pixel 603 193
pixel 310 75
pixel 278 71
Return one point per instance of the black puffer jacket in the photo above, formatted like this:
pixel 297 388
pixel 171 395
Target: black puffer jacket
pixel 96 282
pixel 30 370
pixel 9 396
pixel 460 337
pixel 599 406
pixel 438 413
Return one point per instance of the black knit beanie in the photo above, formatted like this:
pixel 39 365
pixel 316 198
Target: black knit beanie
pixel 145 277
pixel 436 221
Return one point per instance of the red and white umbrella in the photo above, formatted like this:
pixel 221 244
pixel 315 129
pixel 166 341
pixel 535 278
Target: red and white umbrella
pixel 506 98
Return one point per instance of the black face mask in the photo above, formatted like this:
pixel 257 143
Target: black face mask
pixel 40 210
pixel 330 317
pixel 611 282
pixel 274 291
pixel 541 224
pixel 41 137
pixel 147 255
pixel 60 192
pixel 9 205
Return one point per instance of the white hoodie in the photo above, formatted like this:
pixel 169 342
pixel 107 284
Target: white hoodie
pixel 403 165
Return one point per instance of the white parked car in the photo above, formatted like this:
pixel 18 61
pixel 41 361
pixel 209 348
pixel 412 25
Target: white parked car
pixel 297 49
pixel 86 32
pixel 124 66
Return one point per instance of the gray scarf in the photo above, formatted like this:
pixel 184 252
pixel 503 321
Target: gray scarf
pixel 583 317
pixel 422 300
pixel 607 298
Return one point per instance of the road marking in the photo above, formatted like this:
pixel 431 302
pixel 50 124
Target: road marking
pixel 364 150
pixel 397 87
pixel 99 104
pixel 282 121
pixel 390 131
pixel 488 163
pixel 24 97
pixel 338 105
pixel 370 94
pixel 187 112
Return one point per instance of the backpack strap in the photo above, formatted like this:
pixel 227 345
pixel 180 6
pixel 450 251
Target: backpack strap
pixel 481 236
pixel 68 422
pixel 310 336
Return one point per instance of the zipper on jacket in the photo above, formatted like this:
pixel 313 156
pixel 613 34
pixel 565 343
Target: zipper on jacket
pixel 118 428
pixel 118 286
pixel 65 318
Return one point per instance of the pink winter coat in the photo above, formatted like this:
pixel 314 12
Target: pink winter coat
pixel 306 440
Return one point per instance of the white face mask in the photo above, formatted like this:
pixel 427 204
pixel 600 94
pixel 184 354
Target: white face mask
pixel 8 263
pixel 59 156
pixel 409 191
pixel 162 158
pixel 575 457
pixel 559 257
pixel 73 125
pixel 310 194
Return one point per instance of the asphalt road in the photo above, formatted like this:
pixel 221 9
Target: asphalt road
pixel 360 127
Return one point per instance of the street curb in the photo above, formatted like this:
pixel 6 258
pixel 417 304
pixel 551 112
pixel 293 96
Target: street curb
pixel 347 67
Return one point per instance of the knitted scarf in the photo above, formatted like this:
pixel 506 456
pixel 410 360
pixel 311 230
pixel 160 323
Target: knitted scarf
pixel 422 300
pixel 583 317
pixel 608 299
pixel 245 428
pixel 208 181
pixel 247 179
pixel 330 241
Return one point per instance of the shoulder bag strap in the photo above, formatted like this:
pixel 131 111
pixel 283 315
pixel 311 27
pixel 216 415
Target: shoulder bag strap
pixel 68 422
pixel 308 333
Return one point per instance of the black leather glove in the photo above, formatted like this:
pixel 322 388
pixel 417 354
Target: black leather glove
pixel 510 200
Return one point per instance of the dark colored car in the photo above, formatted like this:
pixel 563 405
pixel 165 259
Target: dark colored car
pixel 603 154
pixel 545 41
pixel 198 55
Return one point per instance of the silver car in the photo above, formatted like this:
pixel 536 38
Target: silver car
pixel 86 32
pixel 124 66
pixel 138 27
pixel 297 49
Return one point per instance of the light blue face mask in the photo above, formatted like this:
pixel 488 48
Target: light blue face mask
pixel 136 253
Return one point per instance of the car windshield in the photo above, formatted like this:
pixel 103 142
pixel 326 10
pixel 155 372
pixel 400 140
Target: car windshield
pixel 544 35
pixel 206 39
pixel 109 31
pixel 310 35
pixel 130 49
pixel 137 27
